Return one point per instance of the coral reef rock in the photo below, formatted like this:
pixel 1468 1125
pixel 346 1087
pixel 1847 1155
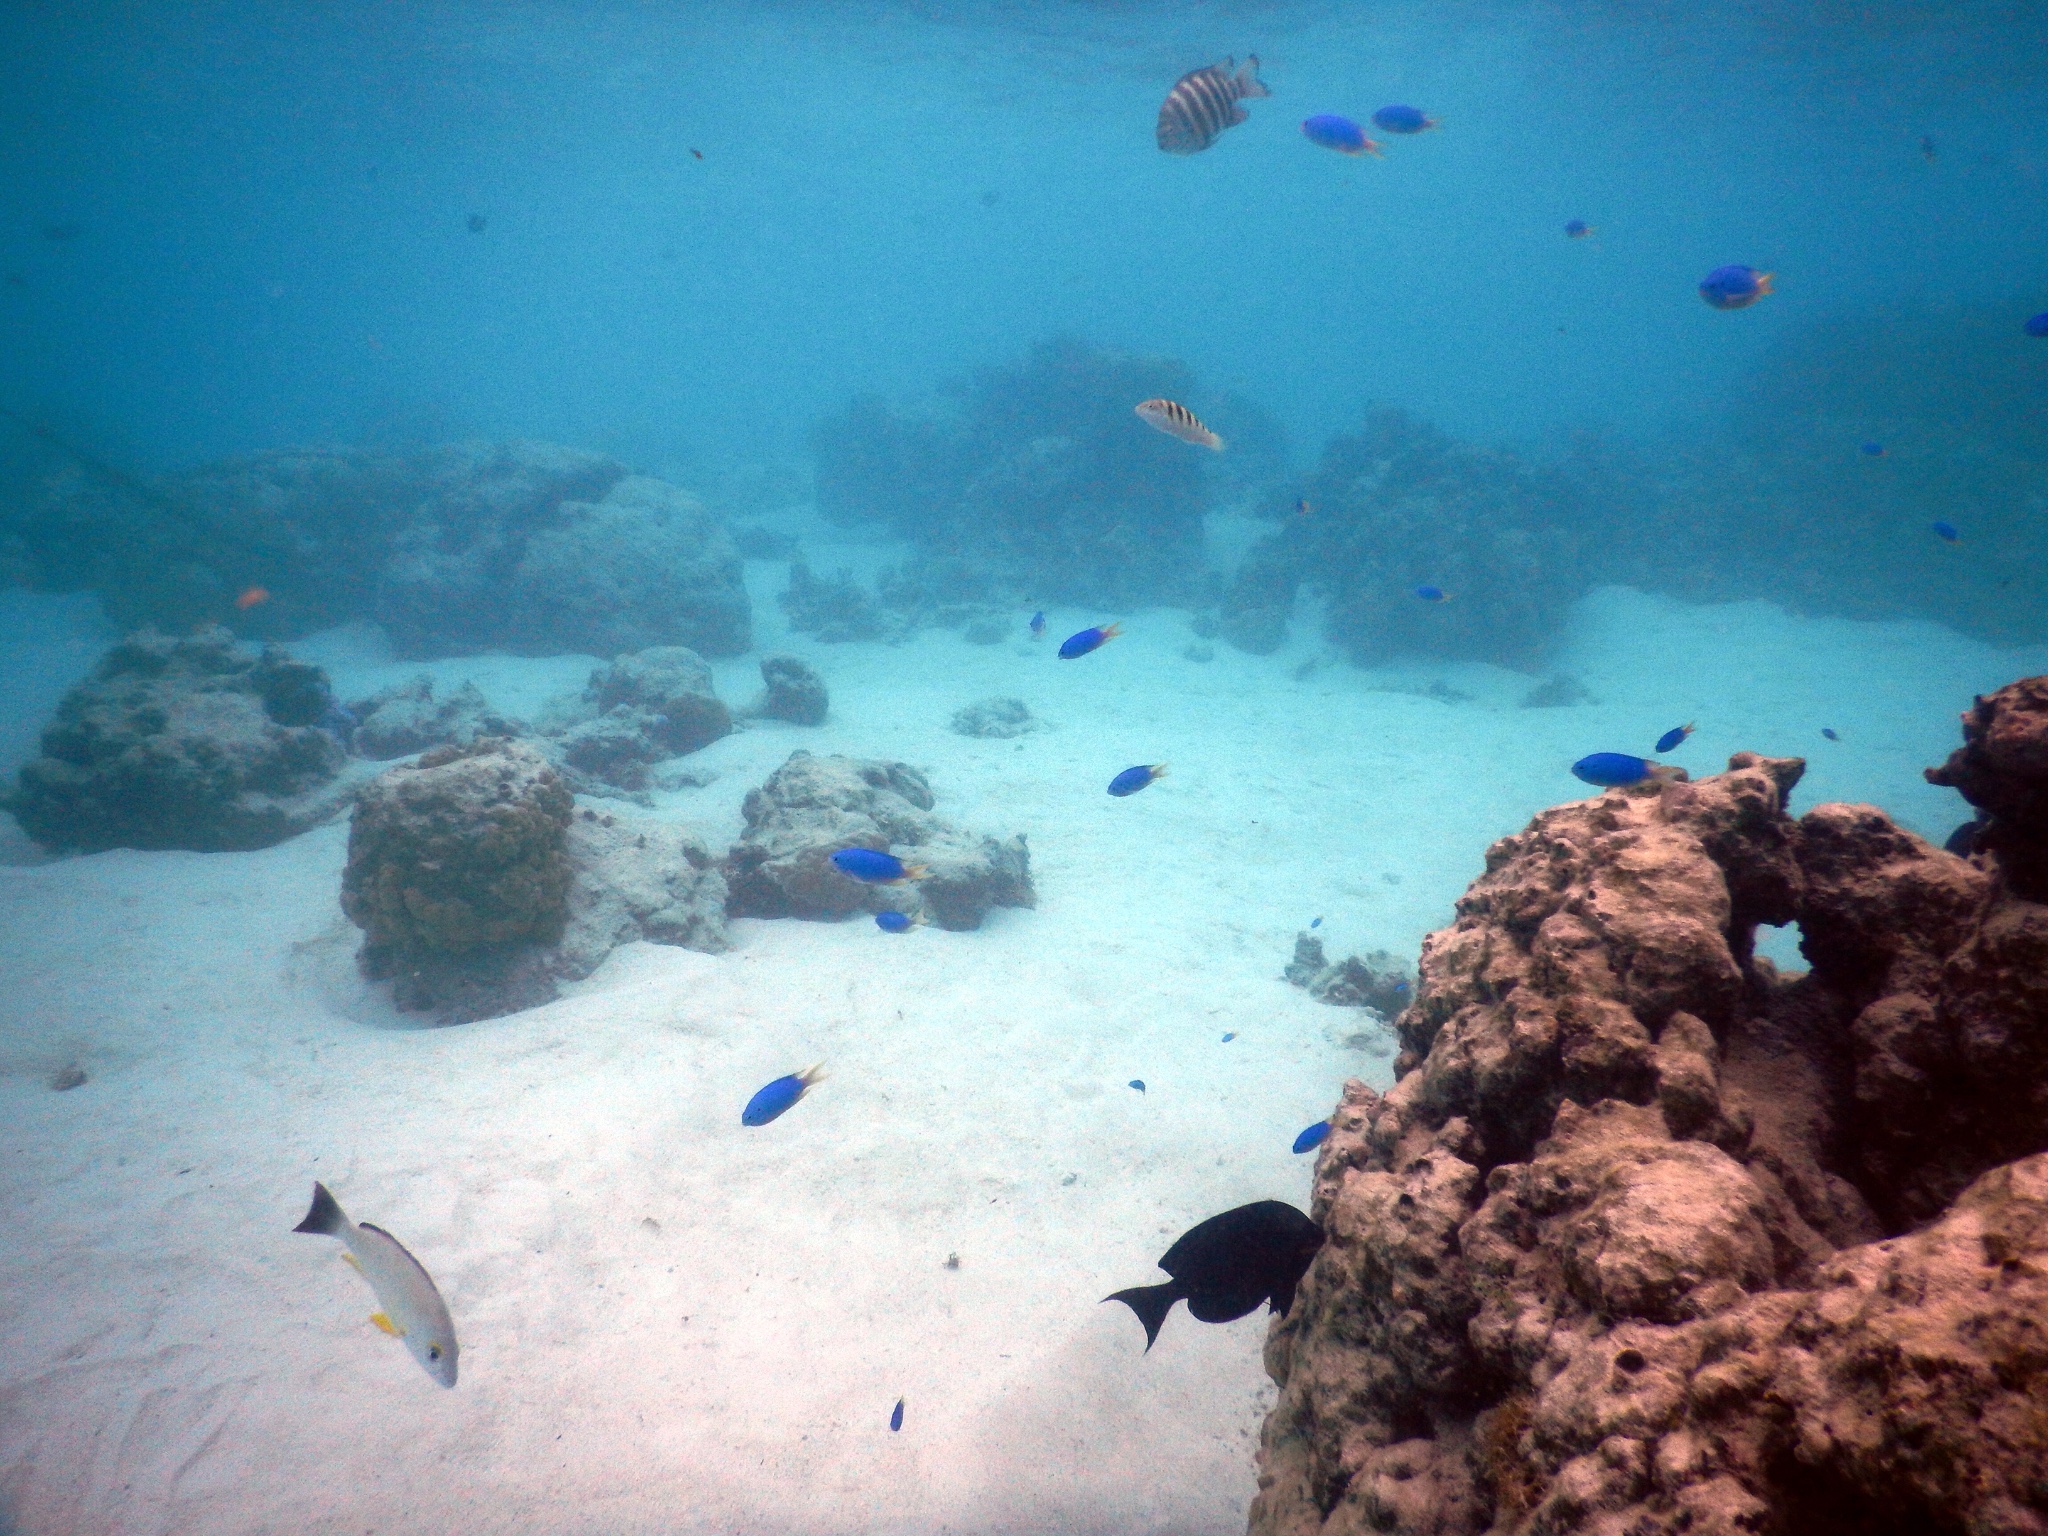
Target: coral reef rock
pixel 811 807
pixel 186 742
pixel 637 879
pixel 834 608
pixel 1378 982
pixel 525 547
pixel 793 692
pixel 1648 1239
pixel 406 718
pixel 2002 769
pixel 1038 473
pixel 458 874
pixel 996 718
pixel 655 704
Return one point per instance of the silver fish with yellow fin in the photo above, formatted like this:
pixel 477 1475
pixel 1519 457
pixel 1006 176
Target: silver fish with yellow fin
pixel 1204 102
pixel 413 1308
pixel 1177 421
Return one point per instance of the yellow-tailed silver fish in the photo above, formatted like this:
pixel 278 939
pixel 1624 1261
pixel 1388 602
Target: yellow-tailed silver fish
pixel 1178 421
pixel 1204 102
pixel 413 1308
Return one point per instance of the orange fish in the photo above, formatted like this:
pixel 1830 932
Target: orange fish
pixel 251 596
pixel 1177 421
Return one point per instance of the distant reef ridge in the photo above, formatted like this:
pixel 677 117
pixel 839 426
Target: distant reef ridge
pixel 529 548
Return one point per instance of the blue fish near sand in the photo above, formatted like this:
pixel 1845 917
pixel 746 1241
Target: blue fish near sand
pixel 1617 770
pixel 895 922
pixel 1430 594
pixel 896 1417
pixel 1399 118
pixel 2037 325
pixel 1312 1137
pixel 1038 625
pixel 1947 532
pixel 873 867
pixel 1083 641
pixel 776 1098
pixel 1577 229
pixel 1734 286
pixel 1330 131
pixel 1137 1083
pixel 1673 737
pixel 1131 780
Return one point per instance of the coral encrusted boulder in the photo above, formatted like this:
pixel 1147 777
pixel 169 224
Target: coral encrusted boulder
pixel 792 691
pixel 1648 1239
pixel 811 807
pixel 185 742
pixel 637 879
pixel 406 718
pixel 656 704
pixel 458 874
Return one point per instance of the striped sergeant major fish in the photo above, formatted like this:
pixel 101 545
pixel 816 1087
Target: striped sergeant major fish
pixel 1176 420
pixel 1204 102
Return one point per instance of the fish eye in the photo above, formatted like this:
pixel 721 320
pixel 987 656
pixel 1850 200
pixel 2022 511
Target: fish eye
pixel 433 1351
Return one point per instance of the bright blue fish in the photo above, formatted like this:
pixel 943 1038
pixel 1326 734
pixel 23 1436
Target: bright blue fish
pixel 1229 1035
pixel 1317 923
pixel 1946 532
pixel 1673 737
pixel 1577 229
pixel 896 1417
pixel 1339 133
pixel 1312 1138
pixel 1431 594
pixel 873 868
pixel 1872 450
pixel 2037 325
pixel 776 1098
pixel 1137 1083
pixel 1829 732
pixel 1087 640
pixel 1734 287
pixel 894 922
pixel 1613 770
pixel 1038 625
pixel 1401 119
pixel 1131 780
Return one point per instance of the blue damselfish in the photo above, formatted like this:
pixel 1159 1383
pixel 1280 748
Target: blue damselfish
pixel 872 867
pixel 1087 640
pixel 1131 780
pixel 1312 1137
pixel 1673 737
pixel 776 1098
pixel 1613 770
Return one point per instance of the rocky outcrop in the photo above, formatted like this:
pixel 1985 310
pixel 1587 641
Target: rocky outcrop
pixel 640 710
pixel 478 885
pixel 2002 769
pixel 1647 1239
pixel 406 718
pixel 524 547
pixel 458 874
pixel 811 807
pixel 186 742
pixel 792 691
pixel 1378 981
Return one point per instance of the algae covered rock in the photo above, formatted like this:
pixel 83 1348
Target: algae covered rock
pixel 811 807
pixel 185 742
pixel 406 718
pixel 655 704
pixel 793 691
pixel 637 879
pixel 458 874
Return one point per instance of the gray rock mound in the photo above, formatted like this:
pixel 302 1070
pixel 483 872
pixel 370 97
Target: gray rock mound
pixel 640 710
pixel 406 718
pixel 811 807
pixel 794 692
pixel 637 879
pixel 185 742
pixel 995 718
pixel 1379 981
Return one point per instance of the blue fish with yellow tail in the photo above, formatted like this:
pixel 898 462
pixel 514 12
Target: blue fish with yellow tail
pixel 870 866
pixel 776 1098
pixel 1131 780
pixel 1617 770
pixel 1084 641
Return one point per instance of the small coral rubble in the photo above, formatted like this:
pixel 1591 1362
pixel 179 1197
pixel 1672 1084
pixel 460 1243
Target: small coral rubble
pixel 1647 1239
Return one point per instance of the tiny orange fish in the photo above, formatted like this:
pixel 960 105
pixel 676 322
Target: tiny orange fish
pixel 249 597
pixel 1177 421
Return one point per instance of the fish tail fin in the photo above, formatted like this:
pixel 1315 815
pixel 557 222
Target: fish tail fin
pixel 1248 81
pixel 1111 631
pixel 1670 773
pixel 1215 443
pixel 1151 1303
pixel 914 872
pixel 325 1217
pixel 1763 282
pixel 814 1073
pixel 1371 147
pixel 1159 770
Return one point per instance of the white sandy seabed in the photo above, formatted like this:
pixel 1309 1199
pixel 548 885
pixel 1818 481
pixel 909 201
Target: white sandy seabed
pixel 670 1323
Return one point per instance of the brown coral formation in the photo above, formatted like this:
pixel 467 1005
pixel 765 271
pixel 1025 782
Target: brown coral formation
pixel 1647 1239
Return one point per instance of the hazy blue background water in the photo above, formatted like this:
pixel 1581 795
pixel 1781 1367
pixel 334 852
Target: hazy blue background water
pixel 271 205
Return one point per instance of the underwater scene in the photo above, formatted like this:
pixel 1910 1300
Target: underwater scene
pixel 1030 766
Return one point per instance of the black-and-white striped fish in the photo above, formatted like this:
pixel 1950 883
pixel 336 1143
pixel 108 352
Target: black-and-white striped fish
pixel 1205 102
pixel 1176 420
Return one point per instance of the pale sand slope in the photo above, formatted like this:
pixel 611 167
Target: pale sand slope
pixel 175 1359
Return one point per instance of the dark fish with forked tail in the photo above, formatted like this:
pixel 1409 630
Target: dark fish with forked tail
pixel 1225 1266
pixel 1204 102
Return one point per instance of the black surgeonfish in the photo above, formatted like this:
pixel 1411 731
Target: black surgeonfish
pixel 1204 102
pixel 1225 1266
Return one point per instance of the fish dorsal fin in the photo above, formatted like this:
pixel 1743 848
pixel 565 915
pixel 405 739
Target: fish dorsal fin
pixel 383 1321
pixel 405 1252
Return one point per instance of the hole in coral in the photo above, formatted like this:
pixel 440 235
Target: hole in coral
pixel 1630 1360
pixel 1780 946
